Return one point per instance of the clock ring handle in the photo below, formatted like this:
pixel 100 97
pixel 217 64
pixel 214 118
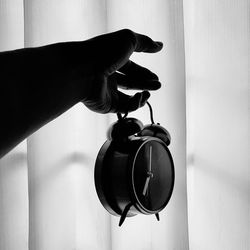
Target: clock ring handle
pixel 151 113
pixel 120 117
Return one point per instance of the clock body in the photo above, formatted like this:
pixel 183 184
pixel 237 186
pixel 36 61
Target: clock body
pixel 137 174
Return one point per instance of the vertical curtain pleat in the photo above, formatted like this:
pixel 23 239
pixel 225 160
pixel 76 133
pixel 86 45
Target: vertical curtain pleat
pixel 13 166
pixel 217 39
pixel 162 20
pixel 64 212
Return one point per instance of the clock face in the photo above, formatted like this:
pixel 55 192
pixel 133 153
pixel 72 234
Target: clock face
pixel 153 175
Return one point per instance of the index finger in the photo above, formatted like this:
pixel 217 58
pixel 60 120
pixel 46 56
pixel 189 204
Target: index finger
pixel 144 43
pixel 114 49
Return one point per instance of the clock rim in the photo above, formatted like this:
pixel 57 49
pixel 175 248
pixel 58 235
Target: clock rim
pixel 136 201
pixel 106 199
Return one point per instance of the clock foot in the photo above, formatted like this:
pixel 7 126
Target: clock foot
pixel 124 214
pixel 157 216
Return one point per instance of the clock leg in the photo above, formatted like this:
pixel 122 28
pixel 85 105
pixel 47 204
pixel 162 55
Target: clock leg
pixel 124 213
pixel 157 216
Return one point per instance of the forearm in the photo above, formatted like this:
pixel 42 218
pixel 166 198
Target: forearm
pixel 29 97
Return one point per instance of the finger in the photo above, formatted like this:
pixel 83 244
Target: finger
pixel 117 47
pixel 137 71
pixel 146 44
pixel 124 103
pixel 140 42
pixel 126 82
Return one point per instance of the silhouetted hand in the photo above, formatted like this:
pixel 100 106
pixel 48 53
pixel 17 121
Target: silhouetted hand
pixel 105 60
pixel 110 59
pixel 39 84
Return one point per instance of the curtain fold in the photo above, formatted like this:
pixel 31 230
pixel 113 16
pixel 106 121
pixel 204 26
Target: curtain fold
pixel 162 20
pixel 64 210
pixel 217 40
pixel 13 166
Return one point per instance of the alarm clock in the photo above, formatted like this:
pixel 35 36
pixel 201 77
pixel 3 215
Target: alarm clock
pixel 134 169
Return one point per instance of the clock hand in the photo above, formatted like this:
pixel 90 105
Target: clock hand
pixel 146 186
pixel 149 173
pixel 150 159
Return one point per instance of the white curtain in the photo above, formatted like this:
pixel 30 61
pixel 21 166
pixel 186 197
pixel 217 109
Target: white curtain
pixel 217 49
pixel 47 195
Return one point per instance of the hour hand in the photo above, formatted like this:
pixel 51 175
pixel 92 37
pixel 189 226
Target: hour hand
pixel 149 173
pixel 145 189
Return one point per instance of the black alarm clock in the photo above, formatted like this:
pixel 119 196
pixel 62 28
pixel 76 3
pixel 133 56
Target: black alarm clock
pixel 134 169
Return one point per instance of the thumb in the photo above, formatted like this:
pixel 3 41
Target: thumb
pixel 124 103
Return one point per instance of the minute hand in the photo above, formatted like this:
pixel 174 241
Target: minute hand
pixel 150 159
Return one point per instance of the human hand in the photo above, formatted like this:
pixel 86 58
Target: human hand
pixel 109 68
pixel 38 84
